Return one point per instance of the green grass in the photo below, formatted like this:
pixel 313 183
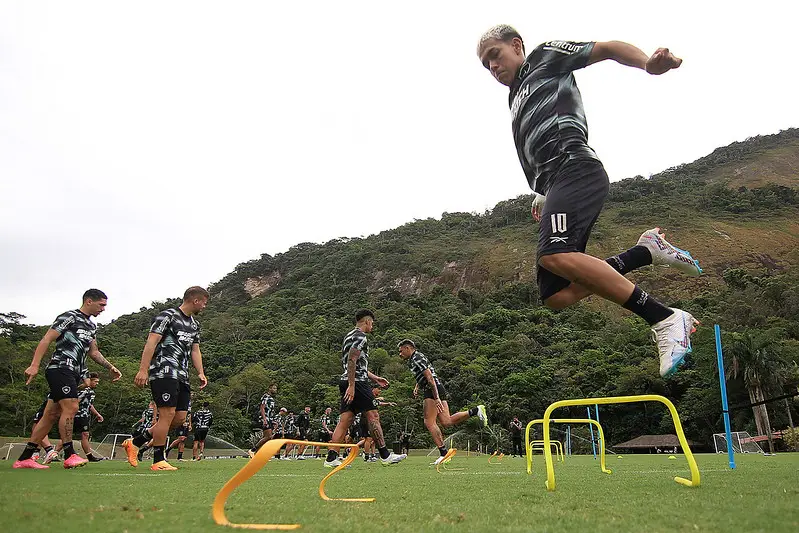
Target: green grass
pixel 762 494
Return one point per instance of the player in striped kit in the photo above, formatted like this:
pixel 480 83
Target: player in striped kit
pixel 201 420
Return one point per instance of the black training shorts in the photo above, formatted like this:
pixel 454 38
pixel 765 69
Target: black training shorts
pixel 81 424
pixel 572 207
pixel 171 393
pixel 363 401
pixel 200 434
pixel 40 413
pixel 324 436
pixel 442 391
pixel 182 431
pixel 63 383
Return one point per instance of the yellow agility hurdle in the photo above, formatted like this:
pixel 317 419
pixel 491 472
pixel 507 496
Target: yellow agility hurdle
pixel 556 444
pixel 499 458
pixel 266 452
pixel 443 464
pixel 695 479
pixel 567 421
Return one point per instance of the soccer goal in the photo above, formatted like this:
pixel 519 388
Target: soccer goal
pixel 111 446
pixel 742 442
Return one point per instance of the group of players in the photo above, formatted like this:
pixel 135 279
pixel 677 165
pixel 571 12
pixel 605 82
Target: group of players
pixel 569 186
pixel 198 422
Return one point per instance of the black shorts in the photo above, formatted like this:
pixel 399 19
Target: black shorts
pixel 63 383
pixel 277 436
pixel 363 401
pixel 171 393
pixel 81 424
pixel 200 434
pixel 442 391
pixel 355 432
pixel 40 413
pixel 303 435
pixel 182 431
pixel 572 207
pixel 324 436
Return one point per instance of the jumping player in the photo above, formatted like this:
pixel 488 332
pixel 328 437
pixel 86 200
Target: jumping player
pixel 173 341
pixel 570 185
pixel 74 335
pixel 356 393
pixel 436 409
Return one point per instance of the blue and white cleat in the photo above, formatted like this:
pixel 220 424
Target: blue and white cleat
pixel 665 253
pixel 673 337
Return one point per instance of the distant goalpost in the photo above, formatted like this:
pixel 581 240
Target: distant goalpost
pixel 740 441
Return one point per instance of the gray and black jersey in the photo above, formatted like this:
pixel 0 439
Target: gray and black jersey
pixel 187 420
pixel 270 407
pixel 356 339
pixel 179 333
pixel 85 400
pixel 326 420
pixel 303 421
pixel 418 363
pixel 202 419
pixel 76 333
pixel 290 426
pixel 147 417
pixel 548 121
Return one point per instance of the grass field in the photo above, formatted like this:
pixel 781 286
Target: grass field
pixel 762 494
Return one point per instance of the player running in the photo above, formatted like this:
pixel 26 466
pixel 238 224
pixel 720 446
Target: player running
pixel 570 184
pixel 74 335
pixel 436 409
pixel 174 340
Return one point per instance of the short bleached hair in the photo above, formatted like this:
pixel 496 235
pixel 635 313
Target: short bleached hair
pixel 501 32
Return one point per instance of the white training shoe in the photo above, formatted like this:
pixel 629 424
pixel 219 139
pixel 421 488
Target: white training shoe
pixel 440 460
pixel 334 463
pixel 673 337
pixel 665 253
pixel 51 456
pixel 393 458
pixel 482 415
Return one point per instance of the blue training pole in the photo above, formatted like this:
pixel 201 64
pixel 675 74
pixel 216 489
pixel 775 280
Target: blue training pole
pixel 569 440
pixel 723 386
pixel 596 407
pixel 591 427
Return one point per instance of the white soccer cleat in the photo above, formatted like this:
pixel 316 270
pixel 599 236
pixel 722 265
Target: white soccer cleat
pixel 482 415
pixel 442 459
pixel 50 457
pixel 393 458
pixel 335 463
pixel 665 253
pixel 673 338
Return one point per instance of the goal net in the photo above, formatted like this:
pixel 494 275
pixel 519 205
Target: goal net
pixel 742 442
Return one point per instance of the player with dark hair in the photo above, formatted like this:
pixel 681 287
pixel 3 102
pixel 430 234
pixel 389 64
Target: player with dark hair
pixel 174 340
pixel 201 420
pixel 436 408
pixel 268 415
pixel 570 184
pixel 356 392
pixel 74 335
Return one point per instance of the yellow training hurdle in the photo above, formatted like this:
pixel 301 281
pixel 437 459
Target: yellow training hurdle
pixel 695 479
pixel 266 452
pixel 443 464
pixel 566 421
pixel 556 444
pixel 499 458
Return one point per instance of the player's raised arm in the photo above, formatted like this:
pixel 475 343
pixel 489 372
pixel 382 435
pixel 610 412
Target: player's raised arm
pixel 627 54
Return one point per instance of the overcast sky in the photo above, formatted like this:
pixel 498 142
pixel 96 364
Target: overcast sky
pixel 149 146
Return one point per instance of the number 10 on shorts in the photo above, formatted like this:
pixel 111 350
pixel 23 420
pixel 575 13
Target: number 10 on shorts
pixel 558 222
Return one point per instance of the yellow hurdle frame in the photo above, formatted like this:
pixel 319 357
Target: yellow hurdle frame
pixel 539 445
pixel 443 464
pixel 260 459
pixel 499 458
pixel 566 421
pixel 695 478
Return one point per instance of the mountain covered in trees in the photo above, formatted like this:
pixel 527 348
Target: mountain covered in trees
pixel 463 287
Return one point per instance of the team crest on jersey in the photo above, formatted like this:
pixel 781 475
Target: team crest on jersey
pixel 165 396
pixel 65 389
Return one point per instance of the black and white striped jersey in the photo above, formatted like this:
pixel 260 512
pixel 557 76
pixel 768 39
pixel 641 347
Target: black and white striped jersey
pixel 327 420
pixel 76 333
pixel 187 420
pixel 290 426
pixel 85 400
pixel 147 417
pixel 548 121
pixel 202 419
pixel 179 333
pixel 270 407
pixel 356 339
pixel 418 363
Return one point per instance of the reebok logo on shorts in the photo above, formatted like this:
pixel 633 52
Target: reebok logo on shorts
pixel 558 239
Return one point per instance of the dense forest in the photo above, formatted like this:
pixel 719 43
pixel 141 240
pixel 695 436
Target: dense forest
pixel 463 287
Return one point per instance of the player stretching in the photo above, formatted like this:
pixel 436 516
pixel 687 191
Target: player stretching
pixel 436 408
pixel 74 335
pixel 570 185
pixel 356 393
pixel 201 420
pixel 268 410
pixel 174 339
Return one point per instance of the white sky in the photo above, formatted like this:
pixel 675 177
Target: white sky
pixel 149 146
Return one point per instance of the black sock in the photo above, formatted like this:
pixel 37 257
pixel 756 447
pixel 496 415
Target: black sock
pixel 635 257
pixel 166 452
pixel 143 438
pixel 647 307
pixel 69 451
pixel 158 454
pixel 384 453
pixel 331 455
pixel 29 450
pixel 442 450
pixel 49 449
pixel 180 455
pixel 473 411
